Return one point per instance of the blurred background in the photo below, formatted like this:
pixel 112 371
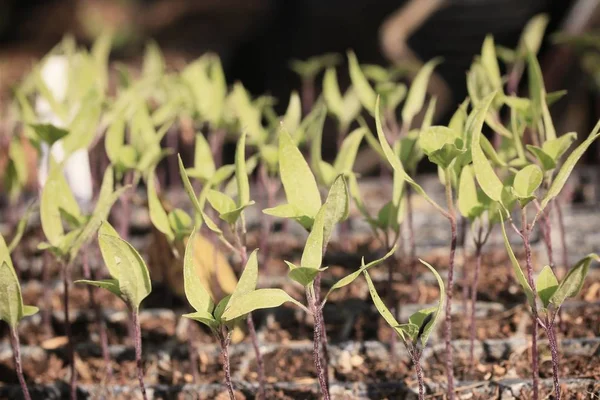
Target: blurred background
pixel 257 39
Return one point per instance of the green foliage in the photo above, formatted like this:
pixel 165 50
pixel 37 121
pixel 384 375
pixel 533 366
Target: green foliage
pixel 416 95
pixel 572 283
pixel 12 309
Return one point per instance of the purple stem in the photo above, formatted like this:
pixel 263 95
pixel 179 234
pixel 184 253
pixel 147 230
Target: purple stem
pixel 449 291
pixel 137 339
pixel 16 347
pixel 474 284
pixel 555 357
pixel 535 369
pixel 416 360
pixel 323 331
pixel 307 94
pixel 312 299
pixel 225 339
pixel 65 270
pixel 47 312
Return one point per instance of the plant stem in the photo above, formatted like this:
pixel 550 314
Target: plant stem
pixel 555 357
pixel 324 341
pixel 66 278
pixel 216 141
pixel 416 360
pixel 547 233
pixel 410 222
pixel 474 284
pixel 225 339
pixel 312 299
pixel 449 290
pixel 241 243
pixel 137 340
pixel 87 274
pixel 535 369
pixel 307 94
pixel 342 133
pixel 47 310
pixel 16 347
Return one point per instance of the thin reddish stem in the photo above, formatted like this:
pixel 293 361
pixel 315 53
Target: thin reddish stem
pixel 16 347
pixel 137 340
pixel 225 339
pixel 449 291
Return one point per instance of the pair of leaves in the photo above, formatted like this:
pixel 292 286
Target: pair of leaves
pixel 130 277
pixel 345 108
pixel 12 309
pixel 551 151
pixel 421 323
pixel 441 145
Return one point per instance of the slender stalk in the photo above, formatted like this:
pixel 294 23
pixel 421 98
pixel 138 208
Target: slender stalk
pixel 324 341
pixel 216 140
pixel 474 283
pixel 66 278
pixel 47 310
pixel 241 247
pixel 172 142
pixel 535 369
pixel 225 339
pixel 555 356
pixel 16 347
pixel 547 234
pixel 449 290
pixel 342 133
pixel 416 360
pixel 87 274
pixel 312 299
pixel 307 95
pixel 137 340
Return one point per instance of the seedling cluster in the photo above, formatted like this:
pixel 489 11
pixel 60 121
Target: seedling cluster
pixel 521 171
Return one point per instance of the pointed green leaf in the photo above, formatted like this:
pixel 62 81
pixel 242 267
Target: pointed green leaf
pixel 546 285
pixel 203 317
pixel 298 181
pixel 418 90
pixel 468 203
pixel 533 34
pixel 248 280
pixel 425 331
pixel 303 275
pixel 220 201
pixel 567 167
pixel 112 285
pixel 131 270
pixel 526 182
pixel 293 114
pixel 381 307
pixel 490 62
pixel 158 215
pixel 257 300
pixel 195 291
pixel 486 177
pixel 347 154
pixel 56 196
pixel 365 92
pixel 187 185
pixel 312 256
pixel 11 302
pixel 337 206
pixel 331 93
pixel 572 283
pixel 203 159
pixel 180 223
pixel 545 160
pixel 49 133
pixel 557 147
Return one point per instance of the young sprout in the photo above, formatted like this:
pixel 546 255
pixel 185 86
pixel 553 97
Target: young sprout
pixel 58 206
pixel 308 70
pixel 344 108
pixel 130 281
pixel 12 310
pixel 415 333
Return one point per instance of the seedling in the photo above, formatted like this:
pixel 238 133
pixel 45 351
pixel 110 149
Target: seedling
pixel 308 70
pixel 12 310
pixel 415 333
pixel 130 281
pixel 344 108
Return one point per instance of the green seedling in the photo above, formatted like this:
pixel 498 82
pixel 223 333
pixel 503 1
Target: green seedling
pixel 416 332
pixel 130 281
pixel 58 208
pixel 308 70
pixel 344 108
pixel 12 310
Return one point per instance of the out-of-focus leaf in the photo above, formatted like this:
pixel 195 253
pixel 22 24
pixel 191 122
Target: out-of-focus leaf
pixel 347 154
pixel 49 133
pixel 365 92
pixel 572 283
pixel 418 89
pixel 332 95
pixel 158 215
pixel 241 175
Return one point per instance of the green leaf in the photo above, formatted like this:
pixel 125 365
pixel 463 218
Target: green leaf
pixel 468 202
pixel 293 114
pixel 114 140
pixel 203 159
pixel 546 285
pixel 365 92
pixel 312 256
pixel 127 266
pixel 557 147
pixel 241 175
pixel 533 34
pixel 220 201
pixel 11 302
pixel 381 307
pixel 516 267
pixel 56 196
pixel 257 300
pixel 187 185
pixel 426 330
pixel 418 90
pixel 348 279
pixel 112 285
pixel 49 133
pixel 28 311
pixel 158 215
pixel 490 62
pixel 180 223
pixel 336 207
pixel 395 161
pixel 203 317
pixel 526 182
pixel 545 160
pixel 298 181
pixel 248 280
pixel 332 95
pixel 195 291
pixel 303 275
pixel 537 92
pixel 572 283
pixel 484 173
pixel 567 167
pixel 441 145
pixel 347 154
